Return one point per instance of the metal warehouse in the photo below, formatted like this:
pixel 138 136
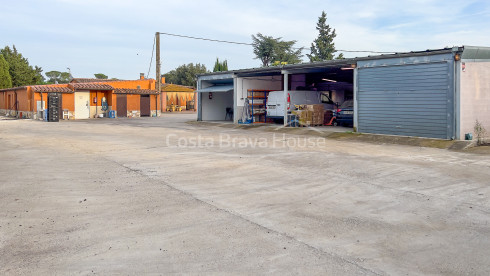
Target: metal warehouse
pixel 434 93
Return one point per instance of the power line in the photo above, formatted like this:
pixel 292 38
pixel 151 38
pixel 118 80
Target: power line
pixel 250 44
pixel 208 39
pixel 151 60
pixel 363 51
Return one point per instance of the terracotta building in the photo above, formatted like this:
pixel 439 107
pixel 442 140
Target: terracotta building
pixel 84 99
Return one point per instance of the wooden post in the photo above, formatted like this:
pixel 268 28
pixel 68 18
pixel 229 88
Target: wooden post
pixel 158 74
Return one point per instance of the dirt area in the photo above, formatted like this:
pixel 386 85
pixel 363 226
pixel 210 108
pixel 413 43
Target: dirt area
pixel 161 196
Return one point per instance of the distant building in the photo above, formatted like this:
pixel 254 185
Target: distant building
pixel 84 99
pixel 174 95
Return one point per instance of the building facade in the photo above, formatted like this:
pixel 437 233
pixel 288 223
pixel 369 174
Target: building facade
pixel 84 99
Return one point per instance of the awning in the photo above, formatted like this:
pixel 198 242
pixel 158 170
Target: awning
pixel 216 88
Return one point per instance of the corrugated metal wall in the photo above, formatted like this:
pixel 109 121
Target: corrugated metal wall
pixel 406 99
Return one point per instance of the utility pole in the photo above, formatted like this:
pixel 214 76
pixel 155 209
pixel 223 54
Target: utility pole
pixel 158 77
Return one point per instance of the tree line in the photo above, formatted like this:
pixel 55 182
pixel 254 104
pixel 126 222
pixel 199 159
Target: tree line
pixel 15 71
pixel 271 51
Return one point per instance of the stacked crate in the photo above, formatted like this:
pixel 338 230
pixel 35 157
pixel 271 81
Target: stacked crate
pixel 305 117
pixel 53 108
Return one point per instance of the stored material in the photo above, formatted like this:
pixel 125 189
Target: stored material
pixel 53 108
pixel 304 117
pixel 317 113
pixel 257 105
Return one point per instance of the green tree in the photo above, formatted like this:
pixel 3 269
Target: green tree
pixel 101 76
pixel 286 53
pixel 272 50
pixel 220 66
pixel 20 71
pixel 323 47
pixel 5 79
pixel 185 74
pixel 53 76
pixel 58 77
pixel 65 77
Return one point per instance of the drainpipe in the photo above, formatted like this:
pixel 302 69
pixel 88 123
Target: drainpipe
pixel 16 105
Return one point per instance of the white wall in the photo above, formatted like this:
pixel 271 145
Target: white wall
pixel 259 83
pixel 215 109
pixel 475 96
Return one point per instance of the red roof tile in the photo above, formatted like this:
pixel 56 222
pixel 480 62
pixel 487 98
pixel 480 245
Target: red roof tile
pixel 13 88
pixel 135 91
pixel 91 86
pixel 51 89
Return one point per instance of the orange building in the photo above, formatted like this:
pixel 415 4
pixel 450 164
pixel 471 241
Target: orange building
pixel 84 98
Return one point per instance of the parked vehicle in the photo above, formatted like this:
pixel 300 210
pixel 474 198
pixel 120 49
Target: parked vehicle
pixel 345 113
pixel 276 102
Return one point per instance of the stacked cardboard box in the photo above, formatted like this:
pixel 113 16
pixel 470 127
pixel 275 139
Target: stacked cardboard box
pixel 317 113
pixel 305 117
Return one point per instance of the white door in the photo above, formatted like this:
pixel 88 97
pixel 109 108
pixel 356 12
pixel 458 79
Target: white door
pixel 275 106
pixel 82 105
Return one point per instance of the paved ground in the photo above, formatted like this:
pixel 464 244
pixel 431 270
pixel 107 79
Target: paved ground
pixel 159 196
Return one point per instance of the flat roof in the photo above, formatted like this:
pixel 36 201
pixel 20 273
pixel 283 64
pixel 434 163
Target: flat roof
pixel 471 52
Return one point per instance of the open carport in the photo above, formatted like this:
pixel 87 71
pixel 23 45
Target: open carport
pixel 435 93
pixel 332 83
pixel 215 98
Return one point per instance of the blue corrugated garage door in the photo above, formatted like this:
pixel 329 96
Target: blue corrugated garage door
pixel 410 100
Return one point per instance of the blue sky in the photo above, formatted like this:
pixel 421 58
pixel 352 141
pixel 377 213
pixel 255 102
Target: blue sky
pixel 116 37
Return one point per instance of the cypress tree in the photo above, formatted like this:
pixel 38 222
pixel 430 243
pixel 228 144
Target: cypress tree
pixel 20 71
pixel 323 47
pixel 220 66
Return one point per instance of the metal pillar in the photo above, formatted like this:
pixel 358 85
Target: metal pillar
pixel 286 90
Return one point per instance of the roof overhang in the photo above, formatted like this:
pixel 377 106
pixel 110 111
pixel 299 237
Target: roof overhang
pixel 216 88
pixel 90 86
pixel 13 88
pixel 135 91
pixel 51 89
pixel 215 76
pixel 321 66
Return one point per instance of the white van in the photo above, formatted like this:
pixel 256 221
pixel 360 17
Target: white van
pixel 276 102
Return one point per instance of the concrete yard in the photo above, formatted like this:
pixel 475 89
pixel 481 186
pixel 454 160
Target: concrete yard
pixel 161 196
